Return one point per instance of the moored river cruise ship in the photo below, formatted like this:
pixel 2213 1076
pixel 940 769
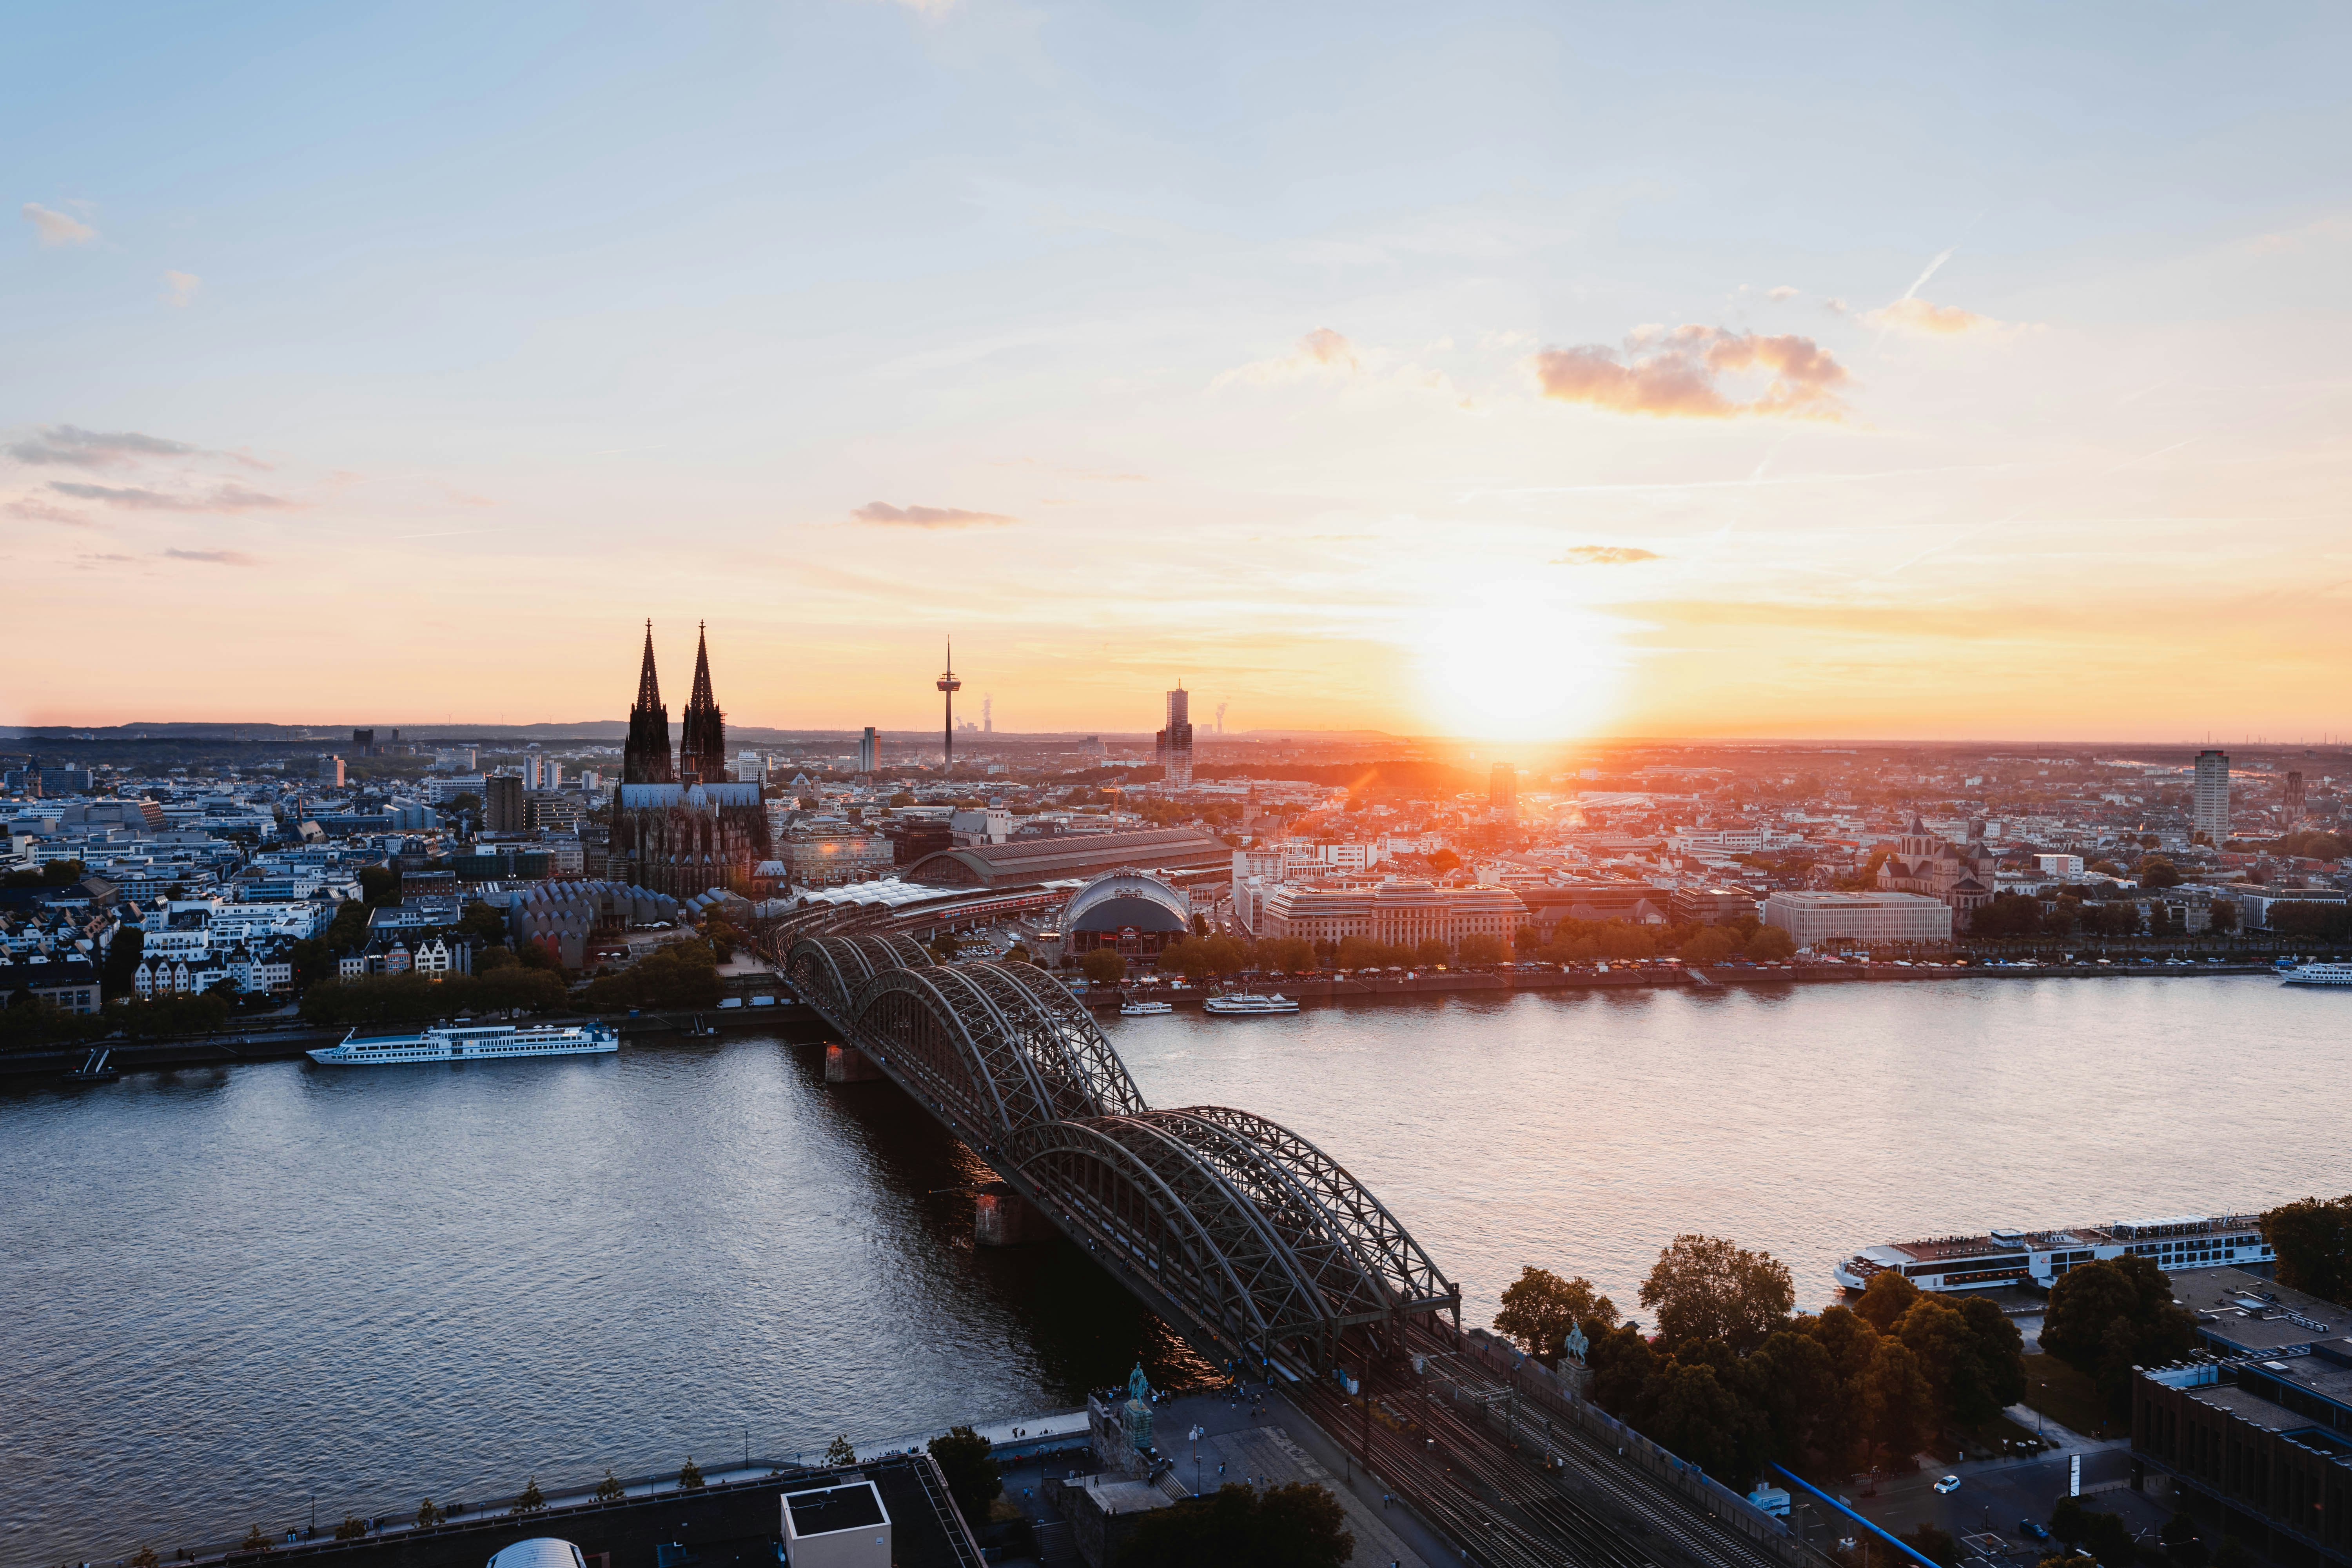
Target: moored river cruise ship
pixel 2010 1257
pixel 465 1042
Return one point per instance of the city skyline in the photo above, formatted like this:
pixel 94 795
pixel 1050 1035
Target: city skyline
pixel 1507 378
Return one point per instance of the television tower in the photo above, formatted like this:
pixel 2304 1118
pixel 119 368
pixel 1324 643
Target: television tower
pixel 949 686
pixel 1221 717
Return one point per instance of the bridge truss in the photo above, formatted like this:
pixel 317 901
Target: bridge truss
pixel 1245 1235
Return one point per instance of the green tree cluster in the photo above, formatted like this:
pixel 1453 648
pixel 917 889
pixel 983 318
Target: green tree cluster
pixel 415 999
pixel 2311 846
pixel 1300 1525
pixel 1102 966
pixel 56 874
pixel 1737 1384
pixel 2108 1316
pixel 1198 958
pixel 2313 1240
pixel 973 1477
pixel 675 974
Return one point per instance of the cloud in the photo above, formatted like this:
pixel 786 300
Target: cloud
pixel 213 557
pixel 928 516
pixel 1782 292
pixel 1673 373
pixel 36 510
pixel 179 287
pixel 227 498
pixel 76 448
pixel 1912 314
pixel 1319 352
pixel 57 227
pixel 1603 555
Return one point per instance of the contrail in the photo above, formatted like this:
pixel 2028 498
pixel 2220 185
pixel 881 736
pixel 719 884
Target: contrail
pixel 1916 284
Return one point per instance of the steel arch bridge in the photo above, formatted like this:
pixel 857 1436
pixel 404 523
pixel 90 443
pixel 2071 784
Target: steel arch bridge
pixel 1245 1235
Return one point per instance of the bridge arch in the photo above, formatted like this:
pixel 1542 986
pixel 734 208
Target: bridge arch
pixel 826 971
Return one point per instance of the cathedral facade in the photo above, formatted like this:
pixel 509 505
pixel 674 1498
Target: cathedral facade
pixel 680 825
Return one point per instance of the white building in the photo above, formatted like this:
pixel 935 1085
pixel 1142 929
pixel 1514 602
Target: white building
pixel 992 825
pixel 2209 811
pixel 1815 917
pixel 1400 911
pixel 2059 864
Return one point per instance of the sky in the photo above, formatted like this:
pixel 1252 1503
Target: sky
pixel 1478 370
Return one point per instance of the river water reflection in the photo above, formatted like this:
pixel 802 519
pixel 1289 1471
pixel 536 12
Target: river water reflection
pixel 228 1289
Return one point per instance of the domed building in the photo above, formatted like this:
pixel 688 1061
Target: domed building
pixel 1133 912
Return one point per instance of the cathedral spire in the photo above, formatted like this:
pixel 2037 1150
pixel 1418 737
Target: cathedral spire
pixel 702 739
pixel 645 759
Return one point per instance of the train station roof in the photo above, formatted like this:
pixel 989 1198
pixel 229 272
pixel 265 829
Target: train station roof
pixel 1069 855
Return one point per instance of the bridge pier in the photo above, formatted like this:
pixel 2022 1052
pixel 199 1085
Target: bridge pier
pixel 1002 1217
pixel 847 1064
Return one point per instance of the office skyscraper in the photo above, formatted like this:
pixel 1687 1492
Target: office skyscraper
pixel 2209 811
pixel 1173 746
pixel 869 751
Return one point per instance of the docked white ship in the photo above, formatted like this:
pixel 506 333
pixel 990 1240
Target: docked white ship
pixel 1245 1005
pixel 2316 975
pixel 1145 1009
pixel 471 1042
pixel 2010 1257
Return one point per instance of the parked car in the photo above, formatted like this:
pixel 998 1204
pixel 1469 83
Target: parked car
pixel 1948 1485
pixel 2030 1530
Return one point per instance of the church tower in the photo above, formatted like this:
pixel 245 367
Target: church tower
pixel 702 739
pixel 646 757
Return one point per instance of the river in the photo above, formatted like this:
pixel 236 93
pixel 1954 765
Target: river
pixel 228 1290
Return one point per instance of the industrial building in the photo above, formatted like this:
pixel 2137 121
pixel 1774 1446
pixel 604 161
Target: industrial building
pixel 1043 859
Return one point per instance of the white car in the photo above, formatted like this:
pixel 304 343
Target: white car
pixel 1948 1485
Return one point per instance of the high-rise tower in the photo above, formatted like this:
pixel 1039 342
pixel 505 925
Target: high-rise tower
pixel 1173 745
pixel 949 686
pixel 644 759
pixel 702 738
pixel 2210 805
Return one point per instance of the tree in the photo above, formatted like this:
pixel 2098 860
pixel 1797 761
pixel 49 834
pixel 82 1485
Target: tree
pixel 1622 1363
pixel 2314 1238
pixel 378 885
pixel 2068 1522
pixel 1712 944
pixel 973 1477
pixel 1701 1418
pixel 2110 1540
pixel 943 947
pixel 1102 966
pixel 610 1489
pixel 2182 1544
pixel 254 1541
pixel 145 1558
pixel 1295 1526
pixel 1937 1545
pixel 1540 1307
pixel 1885 1299
pixel 2108 1316
pixel 838 1453
pixel 531 1500
pixel 2157 873
pixel 428 1515
pixel 123 957
pixel 689 1477
pixel 1803 1397
pixel 1770 944
pixel 2223 914
pixel 354 1527
pixel 1705 1288
pixel 1891 1402
pixel 1484 947
pixel 1431 952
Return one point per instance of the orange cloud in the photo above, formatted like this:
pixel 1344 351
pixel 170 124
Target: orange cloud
pixel 1916 315
pixel 928 516
pixel 1674 373
pixel 1603 555
pixel 213 557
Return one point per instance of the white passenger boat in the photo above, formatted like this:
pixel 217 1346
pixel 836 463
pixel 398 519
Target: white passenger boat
pixel 1248 1004
pixel 2316 975
pixel 2004 1256
pixel 1144 1009
pixel 464 1042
